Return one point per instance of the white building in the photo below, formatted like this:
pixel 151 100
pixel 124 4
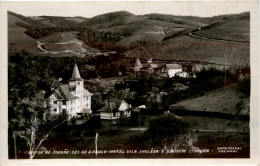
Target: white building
pixel 72 97
pixel 115 109
pixel 172 69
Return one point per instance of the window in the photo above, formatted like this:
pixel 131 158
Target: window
pixel 55 102
pixel 86 105
pixel 55 110
pixel 114 114
pixel 64 103
pixel 78 83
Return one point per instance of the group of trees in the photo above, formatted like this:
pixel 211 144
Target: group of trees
pixel 166 132
pixel 29 114
pixel 163 92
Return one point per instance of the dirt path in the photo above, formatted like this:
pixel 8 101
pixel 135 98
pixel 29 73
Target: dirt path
pixel 39 46
pixel 210 38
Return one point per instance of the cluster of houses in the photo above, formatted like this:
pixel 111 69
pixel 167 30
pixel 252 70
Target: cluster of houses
pixel 166 70
pixel 75 100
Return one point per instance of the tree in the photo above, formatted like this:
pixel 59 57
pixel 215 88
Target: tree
pixel 166 129
pixel 34 122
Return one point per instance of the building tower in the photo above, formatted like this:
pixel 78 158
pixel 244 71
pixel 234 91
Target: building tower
pixel 77 83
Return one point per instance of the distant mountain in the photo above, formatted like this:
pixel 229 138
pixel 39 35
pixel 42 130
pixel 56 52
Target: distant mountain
pixel 104 18
pixel 194 19
pixel 229 36
pixel 17 39
pixel 166 37
pixel 134 28
pixel 236 28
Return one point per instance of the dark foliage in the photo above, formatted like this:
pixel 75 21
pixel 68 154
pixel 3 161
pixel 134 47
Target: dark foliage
pixel 244 86
pixel 166 127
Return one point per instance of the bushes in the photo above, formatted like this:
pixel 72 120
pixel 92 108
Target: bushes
pixel 166 128
pixel 244 86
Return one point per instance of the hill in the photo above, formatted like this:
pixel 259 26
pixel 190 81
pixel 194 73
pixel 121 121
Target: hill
pixel 213 42
pixel 17 39
pixel 166 37
pixel 53 44
pixel 223 100
pixel 237 29
pixel 134 28
pixel 104 18
pixel 200 21
pixel 64 43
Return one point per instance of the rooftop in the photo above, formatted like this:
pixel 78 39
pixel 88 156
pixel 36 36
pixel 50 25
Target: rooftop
pixel 173 66
pixel 75 74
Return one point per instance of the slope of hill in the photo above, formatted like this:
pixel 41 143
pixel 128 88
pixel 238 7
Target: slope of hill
pixel 237 29
pixel 54 44
pixel 63 43
pixel 187 48
pixel 134 28
pixel 222 100
pixel 17 39
pixel 184 47
pixel 200 21
pixel 104 18
pixel 166 37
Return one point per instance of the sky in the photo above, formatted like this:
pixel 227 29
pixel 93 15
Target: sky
pixel 90 9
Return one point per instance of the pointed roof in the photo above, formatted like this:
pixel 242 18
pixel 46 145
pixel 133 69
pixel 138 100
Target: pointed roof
pixel 75 74
pixel 113 105
pixel 137 63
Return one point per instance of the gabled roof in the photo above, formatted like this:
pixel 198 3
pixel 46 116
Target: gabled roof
pixel 113 105
pixel 65 93
pixel 173 66
pixel 86 92
pixel 137 63
pixel 75 74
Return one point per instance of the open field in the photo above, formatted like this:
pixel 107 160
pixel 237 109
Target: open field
pixel 186 48
pixel 237 30
pixel 222 100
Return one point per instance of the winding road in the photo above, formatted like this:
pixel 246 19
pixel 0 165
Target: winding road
pixel 192 34
pixel 39 45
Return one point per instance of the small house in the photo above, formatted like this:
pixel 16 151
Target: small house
pixel 172 69
pixel 114 110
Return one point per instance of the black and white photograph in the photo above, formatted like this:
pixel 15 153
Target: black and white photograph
pixel 129 82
